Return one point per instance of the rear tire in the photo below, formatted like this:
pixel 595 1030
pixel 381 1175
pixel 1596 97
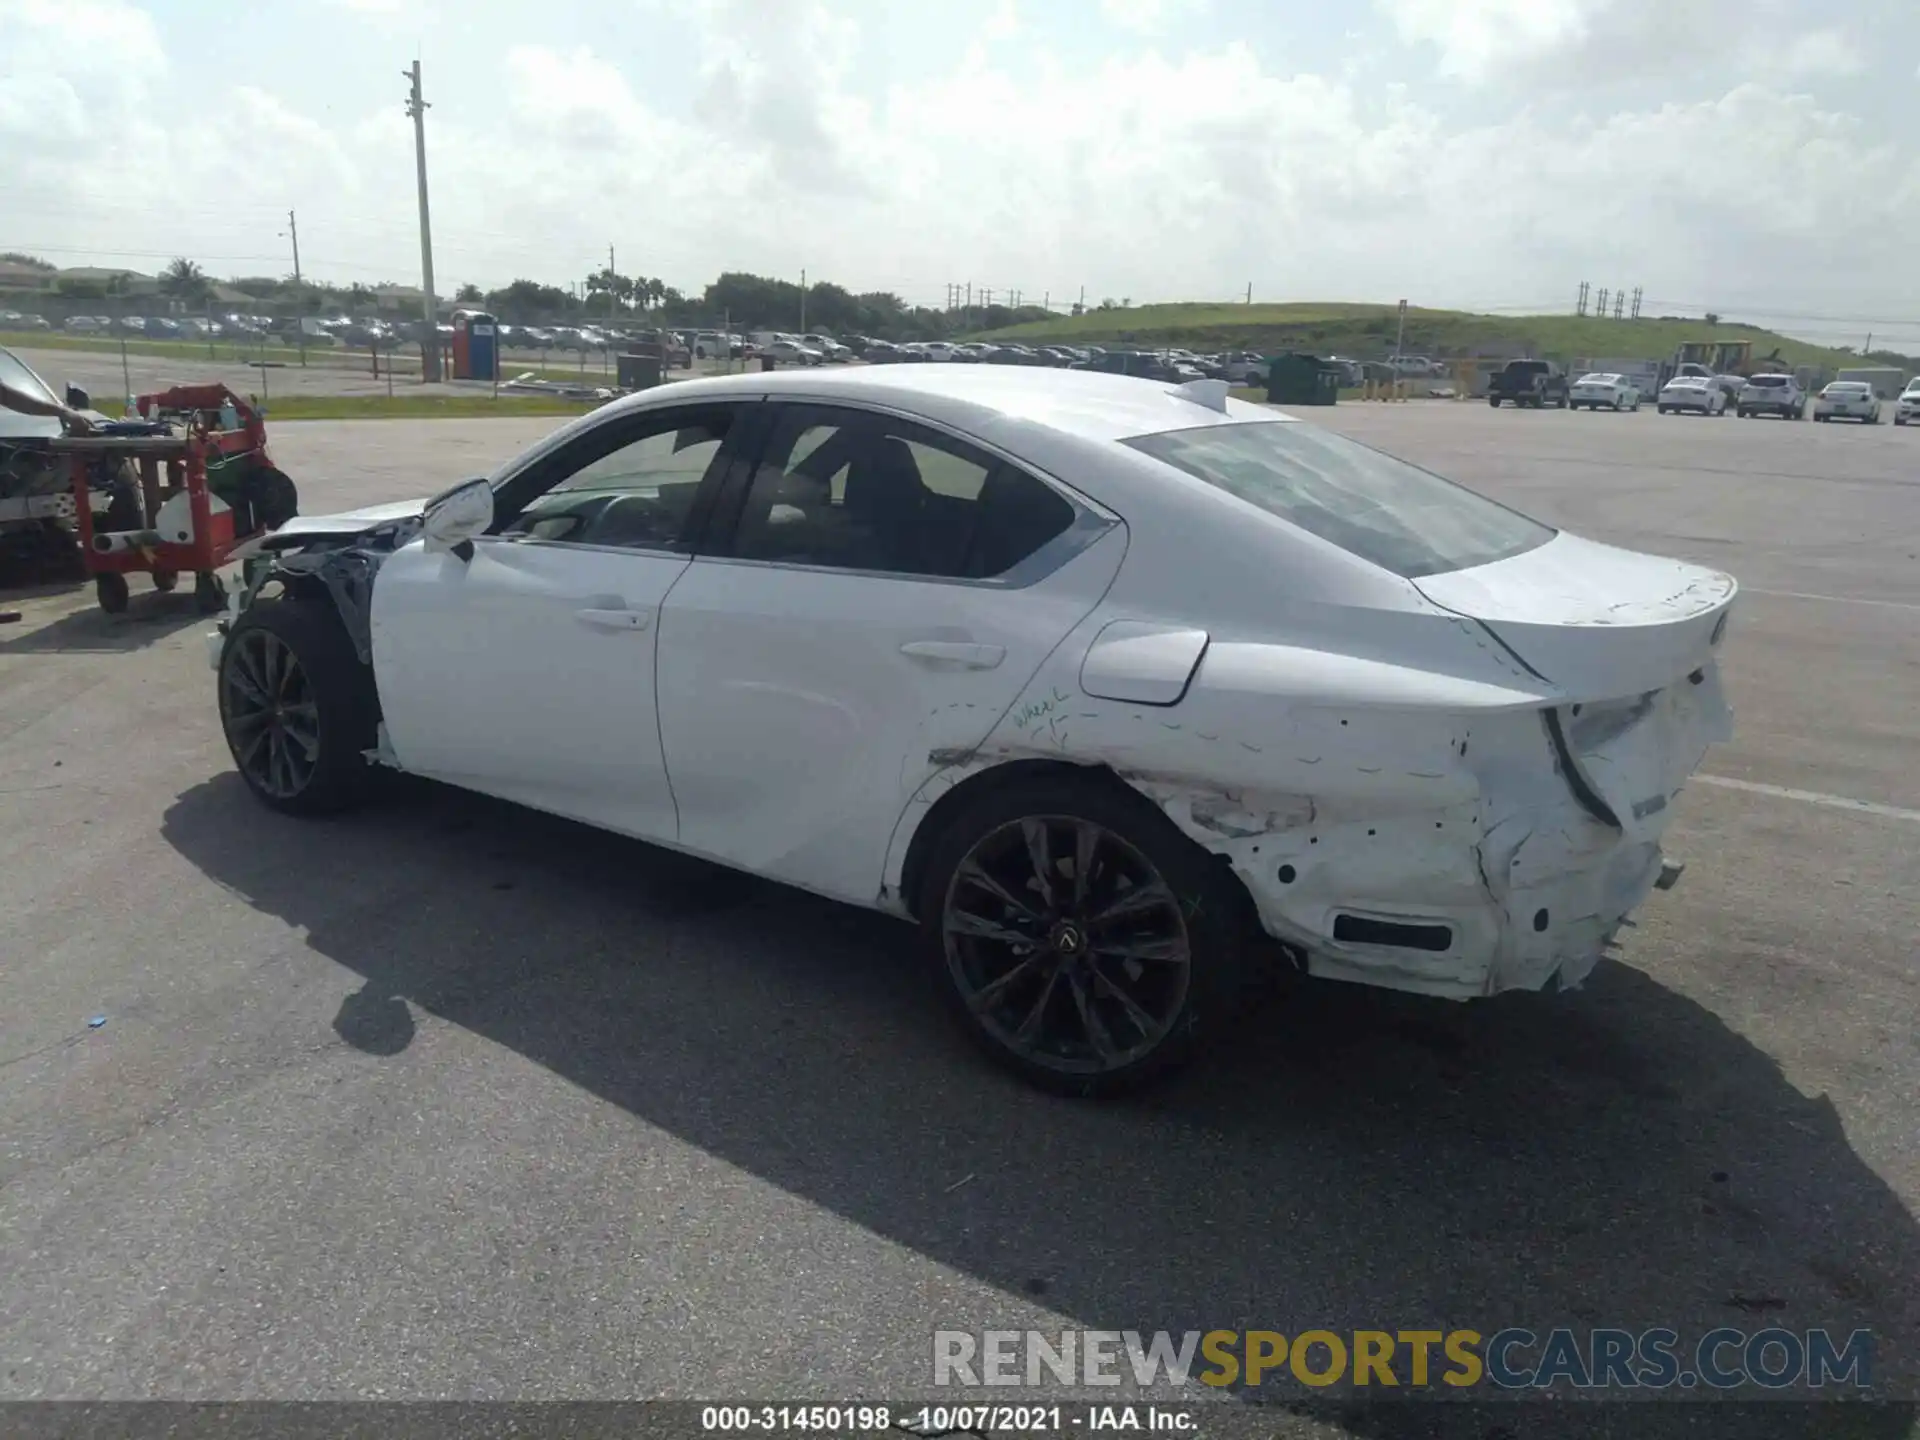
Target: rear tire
pixel 1080 987
pixel 297 707
pixel 1493 401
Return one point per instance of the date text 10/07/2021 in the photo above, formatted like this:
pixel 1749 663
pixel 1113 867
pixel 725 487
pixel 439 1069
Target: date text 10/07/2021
pixel 947 1419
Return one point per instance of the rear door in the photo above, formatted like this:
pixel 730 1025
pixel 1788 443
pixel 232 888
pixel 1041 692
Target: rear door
pixel 881 593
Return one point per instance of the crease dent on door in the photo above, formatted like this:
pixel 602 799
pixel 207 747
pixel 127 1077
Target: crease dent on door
pixel 796 730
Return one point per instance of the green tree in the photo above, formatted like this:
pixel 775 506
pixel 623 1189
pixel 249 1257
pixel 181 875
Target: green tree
pixel 468 295
pixel 186 282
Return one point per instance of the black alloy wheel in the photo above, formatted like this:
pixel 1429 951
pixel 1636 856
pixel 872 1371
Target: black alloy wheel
pixel 298 707
pixel 272 717
pixel 1079 937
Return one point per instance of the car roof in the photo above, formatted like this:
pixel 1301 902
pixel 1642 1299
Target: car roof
pixel 1085 404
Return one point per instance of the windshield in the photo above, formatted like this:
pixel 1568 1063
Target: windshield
pixel 1687 382
pixel 1846 387
pixel 1768 382
pixel 1370 504
pixel 17 376
pixel 1598 379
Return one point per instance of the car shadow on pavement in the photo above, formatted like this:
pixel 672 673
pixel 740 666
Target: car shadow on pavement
pixel 149 618
pixel 1348 1159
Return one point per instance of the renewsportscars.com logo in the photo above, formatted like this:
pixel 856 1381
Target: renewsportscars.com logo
pixel 1509 1359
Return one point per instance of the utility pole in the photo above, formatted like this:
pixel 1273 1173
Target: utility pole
pixel 299 320
pixel 612 299
pixel 1249 292
pixel 803 302
pixel 1399 338
pixel 430 312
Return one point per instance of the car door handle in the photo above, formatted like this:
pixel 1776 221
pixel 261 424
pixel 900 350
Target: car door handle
pixel 964 653
pixel 615 619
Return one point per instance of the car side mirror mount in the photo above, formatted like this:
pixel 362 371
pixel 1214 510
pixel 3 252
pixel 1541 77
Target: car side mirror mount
pixel 78 399
pixel 454 517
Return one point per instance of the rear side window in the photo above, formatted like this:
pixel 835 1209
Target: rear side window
pixel 1384 510
pixel 849 490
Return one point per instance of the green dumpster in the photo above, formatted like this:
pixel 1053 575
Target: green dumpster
pixel 1297 379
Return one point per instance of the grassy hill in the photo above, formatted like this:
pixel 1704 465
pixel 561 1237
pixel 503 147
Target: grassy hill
pixel 1367 332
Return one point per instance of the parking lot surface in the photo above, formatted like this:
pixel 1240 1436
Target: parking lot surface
pixel 449 1099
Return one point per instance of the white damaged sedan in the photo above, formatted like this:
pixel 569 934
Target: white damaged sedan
pixel 1107 684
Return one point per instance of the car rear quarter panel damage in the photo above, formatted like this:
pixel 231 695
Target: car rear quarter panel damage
pixel 1345 792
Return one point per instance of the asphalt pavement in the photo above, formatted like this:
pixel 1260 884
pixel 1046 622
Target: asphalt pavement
pixel 448 1099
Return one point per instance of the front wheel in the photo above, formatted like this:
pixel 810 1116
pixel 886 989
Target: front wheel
pixel 1664 411
pixel 1494 401
pixel 1080 938
pixel 298 707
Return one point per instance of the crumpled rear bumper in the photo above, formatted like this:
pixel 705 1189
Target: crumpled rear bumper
pixel 1522 888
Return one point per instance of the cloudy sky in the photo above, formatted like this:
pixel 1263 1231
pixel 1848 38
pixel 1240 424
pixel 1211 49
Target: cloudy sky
pixel 1758 157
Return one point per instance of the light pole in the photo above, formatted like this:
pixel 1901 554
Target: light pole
pixel 430 340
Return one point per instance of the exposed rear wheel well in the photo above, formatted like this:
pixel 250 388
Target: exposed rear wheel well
pixel 1011 775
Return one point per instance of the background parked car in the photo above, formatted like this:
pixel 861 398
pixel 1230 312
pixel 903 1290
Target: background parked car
pixel 1848 400
pixel 1773 395
pixel 1692 392
pixel 1529 383
pixel 791 352
pixel 1906 410
pixel 82 325
pixel 1614 392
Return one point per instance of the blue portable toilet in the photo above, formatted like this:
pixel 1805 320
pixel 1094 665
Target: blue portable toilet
pixel 476 346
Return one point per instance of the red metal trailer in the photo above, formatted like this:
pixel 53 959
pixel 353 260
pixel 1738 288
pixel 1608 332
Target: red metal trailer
pixel 183 524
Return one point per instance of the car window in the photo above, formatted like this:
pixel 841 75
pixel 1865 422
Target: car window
pixel 855 491
pixel 1369 503
pixel 627 489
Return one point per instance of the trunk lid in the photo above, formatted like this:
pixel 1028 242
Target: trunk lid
pixel 1596 621
pixel 1630 640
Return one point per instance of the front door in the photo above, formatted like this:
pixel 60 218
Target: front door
pixel 880 598
pixel 526 670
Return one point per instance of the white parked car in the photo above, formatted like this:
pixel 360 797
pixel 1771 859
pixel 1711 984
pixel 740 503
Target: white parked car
pixel 1692 392
pixel 1614 392
pixel 938 350
pixel 791 351
pixel 1847 400
pixel 830 349
pixel 82 325
pixel 1906 410
pixel 1772 395
pixel 1110 685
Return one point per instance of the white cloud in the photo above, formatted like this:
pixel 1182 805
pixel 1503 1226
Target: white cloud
pixel 1599 42
pixel 1149 17
pixel 1136 175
